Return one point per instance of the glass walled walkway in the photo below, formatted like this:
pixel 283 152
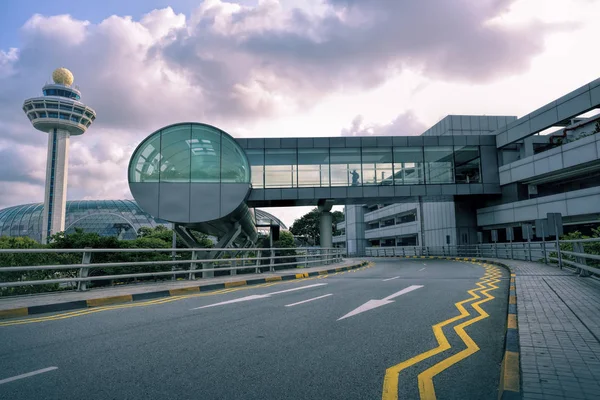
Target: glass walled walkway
pixel 364 166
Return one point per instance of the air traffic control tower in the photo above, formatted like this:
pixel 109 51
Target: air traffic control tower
pixel 60 113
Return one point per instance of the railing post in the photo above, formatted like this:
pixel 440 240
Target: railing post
pixel 544 250
pixel 580 248
pixel 233 264
pixel 559 253
pixel 207 274
pixel 84 271
pixel 272 261
pixel 193 265
pixel 258 262
pixel 306 259
pixel 496 248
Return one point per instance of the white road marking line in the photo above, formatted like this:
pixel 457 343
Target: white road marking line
pixel 403 291
pixel 371 304
pixel 389 279
pixel 258 296
pixel 27 375
pixel 298 288
pixel 421 269
pixel 306 301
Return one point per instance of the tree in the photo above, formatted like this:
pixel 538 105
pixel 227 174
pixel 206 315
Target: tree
pixel 165 234
pixel 309 225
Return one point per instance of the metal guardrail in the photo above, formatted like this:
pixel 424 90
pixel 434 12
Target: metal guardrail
pixel 258 259
pixel 547 252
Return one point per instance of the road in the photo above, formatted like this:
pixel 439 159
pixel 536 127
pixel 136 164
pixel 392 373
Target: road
pixel 373 333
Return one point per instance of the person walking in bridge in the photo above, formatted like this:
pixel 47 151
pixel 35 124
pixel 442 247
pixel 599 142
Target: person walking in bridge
pixel 355 177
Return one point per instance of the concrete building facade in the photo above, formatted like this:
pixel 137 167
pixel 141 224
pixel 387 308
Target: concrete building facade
pixel 545 162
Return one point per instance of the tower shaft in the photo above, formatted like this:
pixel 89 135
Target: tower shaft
pixel 55 197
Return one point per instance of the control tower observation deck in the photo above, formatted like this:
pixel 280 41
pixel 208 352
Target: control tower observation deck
pixel 60 113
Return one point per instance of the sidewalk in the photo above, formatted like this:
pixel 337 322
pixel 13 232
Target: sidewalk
pixel 18 306
pixel 558 316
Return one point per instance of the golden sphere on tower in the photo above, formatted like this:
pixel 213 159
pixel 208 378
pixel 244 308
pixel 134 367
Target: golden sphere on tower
pixel 62 76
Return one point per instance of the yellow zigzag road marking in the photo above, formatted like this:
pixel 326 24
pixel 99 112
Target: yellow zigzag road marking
pixel 164 300
pixel 426 388
pixel 390 381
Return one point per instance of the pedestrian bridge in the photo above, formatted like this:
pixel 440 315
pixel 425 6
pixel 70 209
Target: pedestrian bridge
pixel 358 170
pixel 199 177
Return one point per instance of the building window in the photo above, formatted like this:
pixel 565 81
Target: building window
pixel 406 218
pixel 387 222
pixel 467 164
pixel 439 163
pixel 280 168
pixel 408 166
pixel 377 166
pixel 256 158
pixel 313 167
pixel 345 164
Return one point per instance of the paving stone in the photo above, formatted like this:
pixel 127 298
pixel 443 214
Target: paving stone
pixel 559 331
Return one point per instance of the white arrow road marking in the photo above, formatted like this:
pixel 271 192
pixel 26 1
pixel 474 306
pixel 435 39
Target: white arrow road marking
pixel 422 268
pixel 27 375
pixel 306 301
pixel 259 296
pixel 389 279
pixel 371 304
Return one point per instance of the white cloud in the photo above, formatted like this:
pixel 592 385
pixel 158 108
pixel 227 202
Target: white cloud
pixel 299 68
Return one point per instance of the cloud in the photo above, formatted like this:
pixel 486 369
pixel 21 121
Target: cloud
pixel 405 124
pixel 232 66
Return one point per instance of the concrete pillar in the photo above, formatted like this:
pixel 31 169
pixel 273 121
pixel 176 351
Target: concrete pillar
pixel 326 227
pixel 57 164
pixel 355 230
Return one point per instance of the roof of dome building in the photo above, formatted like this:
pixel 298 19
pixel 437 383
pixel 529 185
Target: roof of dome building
pixel 121 218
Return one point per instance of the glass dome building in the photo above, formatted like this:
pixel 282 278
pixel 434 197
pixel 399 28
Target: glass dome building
pixel 197 177
pixel 121 218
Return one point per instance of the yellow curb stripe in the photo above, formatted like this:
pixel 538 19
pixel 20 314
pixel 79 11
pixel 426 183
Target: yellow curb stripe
pixel 15 312
pixel 273 279
pixel 106 301
pixel 511 372
pixel 323 272
pixel 512 300
pixel 235 284
pixel 512 321
pixel 181 291
pixel 128 303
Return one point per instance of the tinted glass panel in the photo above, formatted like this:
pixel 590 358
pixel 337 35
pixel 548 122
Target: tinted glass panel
pixel 467 164
pixel 345 167
pixel 280 168
pixel 233 169
pixel 377 166
pixel 439 163
pixel 205 147
pixel 146 162
pixel 313 167
pixel 408 166
pixel 256 158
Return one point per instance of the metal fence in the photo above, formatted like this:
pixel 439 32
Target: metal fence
pixel 184 263
pixel 581 254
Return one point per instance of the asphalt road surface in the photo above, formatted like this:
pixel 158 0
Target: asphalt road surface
pixel 392 330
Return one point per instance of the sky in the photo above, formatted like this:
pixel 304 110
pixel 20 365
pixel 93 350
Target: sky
pixel 268 68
